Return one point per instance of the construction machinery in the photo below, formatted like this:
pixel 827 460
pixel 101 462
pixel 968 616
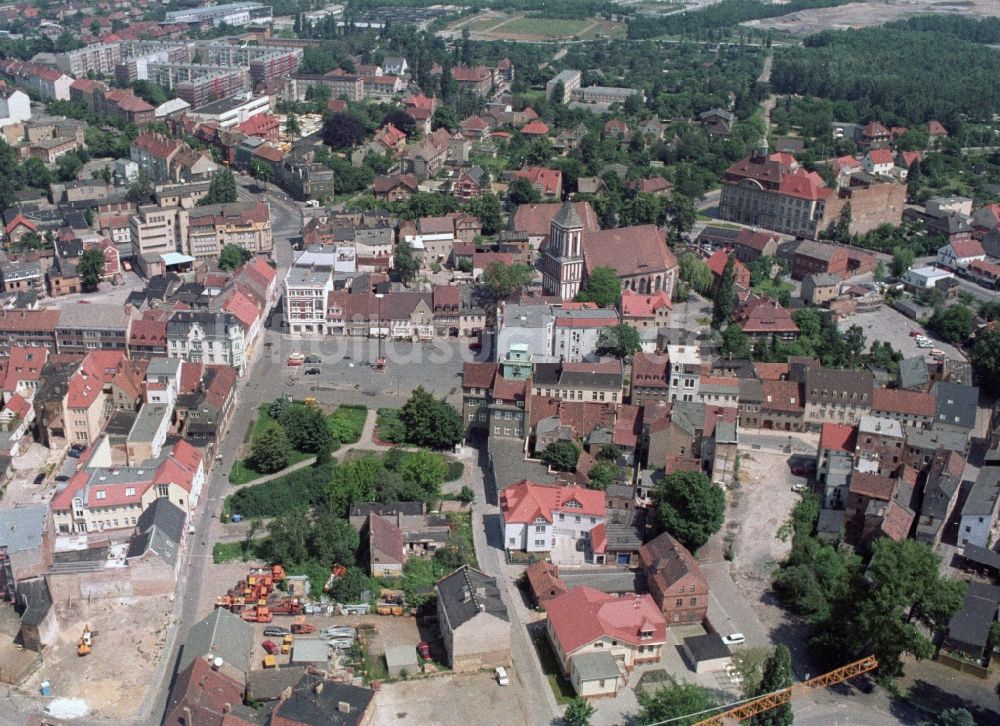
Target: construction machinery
pixel 286 606
pixel 390 602
pixel 286 644
pixel 256 614
pixel 270 661
pixel 779 698
pixel 301 627
pixel 86 643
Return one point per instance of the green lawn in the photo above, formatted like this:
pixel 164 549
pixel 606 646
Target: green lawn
pixel 242 472
pixel 562 689
pixel 347 423
pixel 548 27
pixel 233 552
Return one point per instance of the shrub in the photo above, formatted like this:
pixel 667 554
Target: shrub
pixel 391 428
pixel 295 491
pixel 347 423
pixel 455 471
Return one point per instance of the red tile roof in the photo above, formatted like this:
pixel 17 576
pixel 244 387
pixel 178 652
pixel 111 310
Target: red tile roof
pixel 535 128
pixel 584 615
pixel 536 219
pixel 543 577
pixel 628 425
pixel 245 309
pixel 765 315
pixel 916 403
pixel 98 368
pixel 965 248
pixel 803 185
pixel 478 375
pixel 20 220
pixel 549 180
pixel 525 502
pixel 782 396
pixel 650 370
pixel 935 128
pixel 880 156
pixel 873 486
pixel 636 305
pixel 838 437
pixel 629 251
pixel 897 521
pixel 771 371
pixel 148 332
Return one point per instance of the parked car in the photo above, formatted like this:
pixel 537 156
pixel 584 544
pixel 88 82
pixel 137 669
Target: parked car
pixel 799 487
pixel 341 643
pixel 475 345
pixel 270 646
pixel 424 648
pixel 275 631
pixel 39 479
pixel 734 639
pixel 73 453
pixel 937 352
pixel 313 359
pixel 62 477
pixel 502 678
pixel 312 371
pixel 79 447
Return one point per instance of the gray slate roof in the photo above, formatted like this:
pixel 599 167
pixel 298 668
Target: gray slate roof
pixel 971 624
pixel 707 647
pixel 956 404
pixel 913 372
pixel 160 529
pixel 308 707
pixel 467 592
pixel 21 528
pixel 222 634
pixel 596 666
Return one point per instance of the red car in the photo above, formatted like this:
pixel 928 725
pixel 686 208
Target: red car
pixel 424 649
pixel 270 646
pixel 475 345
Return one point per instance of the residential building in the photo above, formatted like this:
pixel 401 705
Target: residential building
pixel 675 580
pixel 106 498
pixel 306 291
pixel 956 407
pixel 970 628
pixel 578 381
pixel 207 337
pixel 318 699
pixel 230 112
pixel 979 513
pixel 646 313
pixel 944 481
pixel 577 331
pixel 472 620
pixel 910 408
pixel 616 633
pixel 685 372
pixel 959 254
pixel 762 318
pixel 570 80
pixel 549 518
pixel 820 288
pixel 15 107
pixel 836 396
pixel 811 258
pixel 243 224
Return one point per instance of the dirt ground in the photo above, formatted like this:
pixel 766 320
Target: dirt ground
pixel 127 647
pixel 449 700
pixel 866 14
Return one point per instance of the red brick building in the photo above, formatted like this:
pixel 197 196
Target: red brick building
pixel 675 580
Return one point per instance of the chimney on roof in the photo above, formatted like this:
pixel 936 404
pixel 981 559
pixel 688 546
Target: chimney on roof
pixel 318 688
pixel 343 707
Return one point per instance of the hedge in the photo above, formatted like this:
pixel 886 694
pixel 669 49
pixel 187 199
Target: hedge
pixel 295 491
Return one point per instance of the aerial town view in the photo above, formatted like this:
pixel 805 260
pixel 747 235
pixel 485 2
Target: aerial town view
pixel 504 362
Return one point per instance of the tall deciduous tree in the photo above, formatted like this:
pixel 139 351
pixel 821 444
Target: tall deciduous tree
pixel 90 268
pixel 305 427
pixel 486 208
pixel 601 288
pixel 270 450
pixel 222 190
pixel 343 130
pixel 682 215
pixel 902 260
pixel 561 455
pixel 332 539
pixel 620 341
pixel 675 703
pixel 232 256
pixel 430 422
pixel 690 507
pixel 952 324
pixel 986 359
pixel 777 675
pixel 405 262
pixel 521 191
pixel 578 711
pixel 722 306
pixel 499 280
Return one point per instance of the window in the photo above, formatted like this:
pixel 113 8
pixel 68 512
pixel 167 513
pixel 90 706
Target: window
pixel 102 495
pixel 599 644
pixel 562 517
pixel 539 543
pixel 679 603
pixel 540 528
pixel 513 540
pixel 577 520
pixel 694 602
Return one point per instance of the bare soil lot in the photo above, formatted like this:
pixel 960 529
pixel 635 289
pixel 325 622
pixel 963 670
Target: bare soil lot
pixel 129 643
pixel 867 14
pixel 451 699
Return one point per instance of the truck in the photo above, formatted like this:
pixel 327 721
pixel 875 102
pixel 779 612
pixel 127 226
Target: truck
pixel 303 628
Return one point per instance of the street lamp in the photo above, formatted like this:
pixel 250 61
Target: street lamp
pixel 379 361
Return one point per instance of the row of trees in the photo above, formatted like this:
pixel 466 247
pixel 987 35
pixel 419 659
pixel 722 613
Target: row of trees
pixel 885 608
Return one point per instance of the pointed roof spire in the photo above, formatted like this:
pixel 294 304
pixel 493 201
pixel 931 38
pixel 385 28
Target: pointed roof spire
pixel 567 218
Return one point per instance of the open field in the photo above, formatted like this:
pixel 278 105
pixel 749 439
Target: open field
pixel 867 14
pixel 490 25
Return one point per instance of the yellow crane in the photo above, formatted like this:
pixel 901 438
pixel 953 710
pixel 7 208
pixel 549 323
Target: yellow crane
pixel 785 695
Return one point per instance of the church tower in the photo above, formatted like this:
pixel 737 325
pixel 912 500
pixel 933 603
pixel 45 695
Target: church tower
pixel 562 271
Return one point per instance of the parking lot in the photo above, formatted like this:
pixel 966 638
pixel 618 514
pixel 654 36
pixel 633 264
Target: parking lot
pixel 891 326
pixel 347 374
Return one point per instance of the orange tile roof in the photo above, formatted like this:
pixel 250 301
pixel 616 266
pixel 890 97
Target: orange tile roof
pixel 526 502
